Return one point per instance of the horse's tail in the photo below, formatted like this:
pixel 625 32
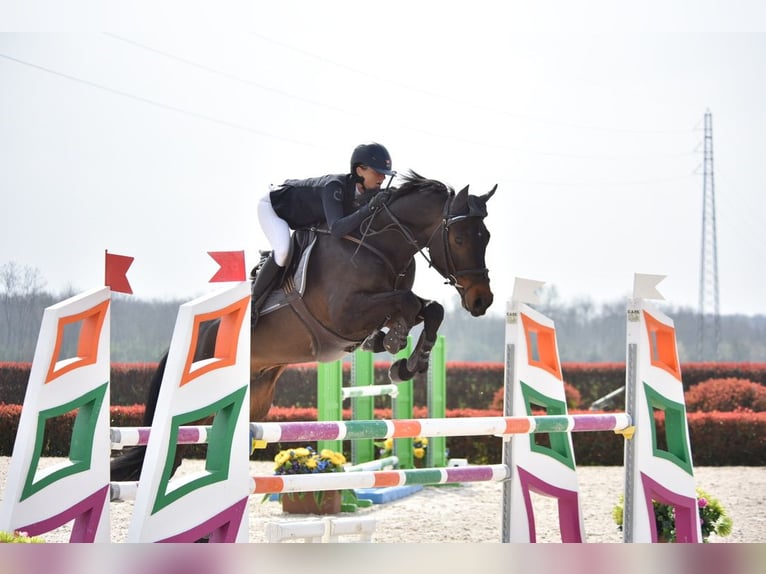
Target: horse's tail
pixel 127 466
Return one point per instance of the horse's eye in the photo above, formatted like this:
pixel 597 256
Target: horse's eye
pixel 459 239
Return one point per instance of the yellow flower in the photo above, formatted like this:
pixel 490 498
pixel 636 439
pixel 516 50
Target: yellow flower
pixel 301 452
pixel 418 452
pixel 282 457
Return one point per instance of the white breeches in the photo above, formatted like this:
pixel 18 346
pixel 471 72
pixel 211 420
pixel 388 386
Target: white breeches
pixel 276 230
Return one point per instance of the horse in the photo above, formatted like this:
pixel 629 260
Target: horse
pixel 358 292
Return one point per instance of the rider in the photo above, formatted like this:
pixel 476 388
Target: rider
pixel 341 201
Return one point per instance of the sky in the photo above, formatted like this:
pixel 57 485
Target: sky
pixel 153 133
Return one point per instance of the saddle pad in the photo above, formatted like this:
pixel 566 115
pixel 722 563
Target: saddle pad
pixel 278 298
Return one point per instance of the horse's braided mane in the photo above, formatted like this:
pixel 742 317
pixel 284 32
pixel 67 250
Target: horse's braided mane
pixel 415 183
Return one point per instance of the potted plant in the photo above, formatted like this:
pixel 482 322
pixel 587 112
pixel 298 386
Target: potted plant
pixel 306 460
pixel 713 518
pixel 419 446
pixel 18 537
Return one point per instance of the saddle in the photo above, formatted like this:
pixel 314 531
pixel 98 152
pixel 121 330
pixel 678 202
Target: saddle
pixel 294 276
pixel 291 288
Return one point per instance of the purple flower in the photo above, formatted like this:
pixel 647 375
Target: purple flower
pixel 702 502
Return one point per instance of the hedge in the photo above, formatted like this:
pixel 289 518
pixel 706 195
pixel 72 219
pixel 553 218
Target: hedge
pixel 469 385
pixel 710 436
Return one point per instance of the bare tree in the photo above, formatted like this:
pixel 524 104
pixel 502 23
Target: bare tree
pixel 21 299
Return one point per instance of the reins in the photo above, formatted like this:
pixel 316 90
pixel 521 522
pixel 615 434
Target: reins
pixel 451 274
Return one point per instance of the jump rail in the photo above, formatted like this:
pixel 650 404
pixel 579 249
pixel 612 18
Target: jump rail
pixel 400 428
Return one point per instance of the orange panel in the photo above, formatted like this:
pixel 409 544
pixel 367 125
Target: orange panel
pixel 662 342
pixel 541 339
pixel 406 428
pixel 386 478
pixel 269 484
pixel 517 426
pixel 225 353
pixel 87 344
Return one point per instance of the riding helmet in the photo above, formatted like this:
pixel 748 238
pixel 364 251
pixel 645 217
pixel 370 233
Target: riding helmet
pixel 372 155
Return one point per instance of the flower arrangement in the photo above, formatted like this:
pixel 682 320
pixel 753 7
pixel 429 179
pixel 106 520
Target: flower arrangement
pixel 306 460
pixel 713 518
pixel 18 537
pixel 419 446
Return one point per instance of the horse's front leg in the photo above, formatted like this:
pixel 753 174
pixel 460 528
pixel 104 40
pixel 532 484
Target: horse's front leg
pixel 397 310
pixel 405 369
pixel 394 339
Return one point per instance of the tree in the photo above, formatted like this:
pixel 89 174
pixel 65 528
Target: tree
pixel 22 301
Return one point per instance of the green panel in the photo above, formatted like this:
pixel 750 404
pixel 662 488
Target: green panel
pixel 221 435
pixel 436 454
pixel 560 448
pixel 365 429
pixel 362 408
pixel 422 476
pixel 676 431
pixel 330 399
pixel 402 409
pixel 552 423
pixel 81 446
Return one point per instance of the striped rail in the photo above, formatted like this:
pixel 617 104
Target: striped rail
pixel 268 484
pixel 402 428
pixel 274 484
pixel 411 428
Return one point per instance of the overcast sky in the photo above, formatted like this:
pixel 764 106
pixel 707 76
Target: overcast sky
pixel 157 138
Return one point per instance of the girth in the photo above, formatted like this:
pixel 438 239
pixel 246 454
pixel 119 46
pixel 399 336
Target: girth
pixel 290 294
pixel 323 338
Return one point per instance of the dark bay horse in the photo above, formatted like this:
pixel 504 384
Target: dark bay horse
pixel 358 292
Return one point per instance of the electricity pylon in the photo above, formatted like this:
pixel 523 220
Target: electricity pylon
pixel 709 327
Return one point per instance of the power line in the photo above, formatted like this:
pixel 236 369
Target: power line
pixel 155 103
pixel 283 93
pixel 447 97
pixel 433 95
pixel 656 181
pixel 227 75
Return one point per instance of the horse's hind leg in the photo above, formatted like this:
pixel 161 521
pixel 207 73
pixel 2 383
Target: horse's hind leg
pixel 405 369
pixel 263 383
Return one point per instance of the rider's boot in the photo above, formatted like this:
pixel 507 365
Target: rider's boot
pixel 264 281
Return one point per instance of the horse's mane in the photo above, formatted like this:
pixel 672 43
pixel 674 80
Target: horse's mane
pixel 413 182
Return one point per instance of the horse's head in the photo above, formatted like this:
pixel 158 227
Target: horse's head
pixel 458 252
pixel 426 212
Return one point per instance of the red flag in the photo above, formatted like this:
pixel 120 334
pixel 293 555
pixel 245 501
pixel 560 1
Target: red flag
pixel 232 266
pixel 116 275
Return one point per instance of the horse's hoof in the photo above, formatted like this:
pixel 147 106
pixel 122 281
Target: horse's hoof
pixel 393 343
pixel 398 372
pixel 374 342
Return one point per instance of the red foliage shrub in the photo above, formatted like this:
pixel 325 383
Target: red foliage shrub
pixel 726 395
pixel 574 399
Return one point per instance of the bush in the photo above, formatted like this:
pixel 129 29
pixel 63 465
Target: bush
pixel 469 385
pixel 573 398
pixel 709 433
pixel 726 395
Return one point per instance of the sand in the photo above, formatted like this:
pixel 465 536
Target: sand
pixel 471 512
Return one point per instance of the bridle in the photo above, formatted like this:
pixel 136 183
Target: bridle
pixel 451 273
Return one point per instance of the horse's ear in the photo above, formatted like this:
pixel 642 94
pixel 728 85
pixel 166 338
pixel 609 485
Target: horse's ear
pixel 460 204
pixel 489 194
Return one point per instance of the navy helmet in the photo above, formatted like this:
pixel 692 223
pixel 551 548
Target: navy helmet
pixel 372 155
